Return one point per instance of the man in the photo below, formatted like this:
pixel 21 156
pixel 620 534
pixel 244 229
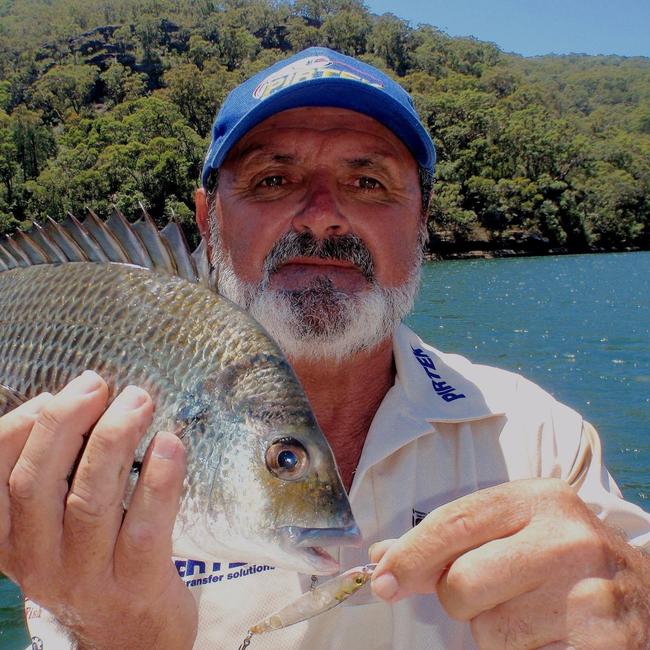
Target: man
pixel 314 204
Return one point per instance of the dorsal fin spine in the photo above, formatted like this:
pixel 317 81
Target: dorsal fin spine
pixel 156 246
pixel 129 238
pixel 7 258
pixel 105 238
pixel 72 250
pixel 20 256
pixel 48 244
pixel 34 251
pixel 174 236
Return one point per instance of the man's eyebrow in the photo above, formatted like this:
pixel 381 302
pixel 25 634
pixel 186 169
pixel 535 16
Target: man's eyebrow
pixel 379 161
pixel 253 151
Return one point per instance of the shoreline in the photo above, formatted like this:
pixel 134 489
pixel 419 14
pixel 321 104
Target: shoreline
pixel 471 253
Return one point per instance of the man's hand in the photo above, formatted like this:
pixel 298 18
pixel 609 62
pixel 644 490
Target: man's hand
pixel 108 577
pixel 529 565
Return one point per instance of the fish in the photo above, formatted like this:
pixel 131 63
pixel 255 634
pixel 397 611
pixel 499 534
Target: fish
pixel 132 303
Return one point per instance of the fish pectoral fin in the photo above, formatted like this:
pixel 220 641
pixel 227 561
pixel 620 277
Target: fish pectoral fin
pixel 10 399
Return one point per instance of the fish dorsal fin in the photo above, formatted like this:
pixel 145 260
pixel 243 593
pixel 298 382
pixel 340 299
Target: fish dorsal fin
pixel 34 252
pixel 14 253
pixel 88 244
pixel 106 240
pixel 49 244
pixel 56 234
pixel 132 245
pixel 10 399
pixel 207 275
pixel 156 246
pixel 115 240
pixel 7 260
pixel 176 241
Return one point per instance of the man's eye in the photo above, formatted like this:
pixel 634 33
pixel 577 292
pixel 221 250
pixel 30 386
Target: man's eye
pixel 273 181
pixel 368 183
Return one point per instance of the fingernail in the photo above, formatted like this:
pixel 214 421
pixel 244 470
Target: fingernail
pixel 165 446
pixel 131 397
pixel 87 382
pixel 385 586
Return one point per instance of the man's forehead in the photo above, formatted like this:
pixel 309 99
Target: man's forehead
pixel 279 135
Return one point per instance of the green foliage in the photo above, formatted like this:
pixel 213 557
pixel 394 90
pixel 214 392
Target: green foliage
pixel 143 151
pixel 347 31
pixel 449 219
pixel 390 40
pixel 197 95
pixel 5 94
pixel 233 43
pixel 64 87
pixel 120 84
pixel 110 102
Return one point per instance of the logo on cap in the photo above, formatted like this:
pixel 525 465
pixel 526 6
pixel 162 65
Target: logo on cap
pixel 313 67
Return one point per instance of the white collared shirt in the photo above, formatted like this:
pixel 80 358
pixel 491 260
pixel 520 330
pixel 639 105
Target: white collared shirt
pixel 446 428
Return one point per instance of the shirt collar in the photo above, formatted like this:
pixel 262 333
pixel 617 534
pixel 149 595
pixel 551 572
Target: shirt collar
pixel 430 387
pixel 440 387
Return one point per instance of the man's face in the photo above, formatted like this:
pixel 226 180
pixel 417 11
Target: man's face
pixel 318 229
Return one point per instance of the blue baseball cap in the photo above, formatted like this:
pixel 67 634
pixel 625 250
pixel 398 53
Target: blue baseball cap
pixel 318 76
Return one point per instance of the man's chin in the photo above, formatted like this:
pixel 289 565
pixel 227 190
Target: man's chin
pixel 322 328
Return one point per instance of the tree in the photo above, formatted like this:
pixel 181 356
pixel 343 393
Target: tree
pixel 431 52
pixel 267 21
pixel 64 87
pixel 9 167
pixel 121 84
pixel 473 57
pixel 301 35
pixel 233 41
pixel 33 140
pixel 313 12
pixel 148 31
pixel 195 96
pixel 448 219
pixel 201 51
pixel 390 40
pixel 5 94
pixel 616 206
pixel 347 31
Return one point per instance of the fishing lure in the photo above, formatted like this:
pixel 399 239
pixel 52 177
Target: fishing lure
pixel 314 602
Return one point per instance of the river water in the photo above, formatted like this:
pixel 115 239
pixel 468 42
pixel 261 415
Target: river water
pixel 578 325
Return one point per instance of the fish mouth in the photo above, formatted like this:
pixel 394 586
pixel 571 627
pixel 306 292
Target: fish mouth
pixel 309 542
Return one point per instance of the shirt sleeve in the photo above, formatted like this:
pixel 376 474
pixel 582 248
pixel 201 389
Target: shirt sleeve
pixel 599 491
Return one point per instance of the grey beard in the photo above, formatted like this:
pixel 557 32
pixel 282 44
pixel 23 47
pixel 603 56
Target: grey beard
pixel 319 321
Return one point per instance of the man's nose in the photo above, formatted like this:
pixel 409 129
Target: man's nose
pixel 320 212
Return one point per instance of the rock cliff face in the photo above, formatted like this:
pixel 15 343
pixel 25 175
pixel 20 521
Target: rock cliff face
pixel 101 47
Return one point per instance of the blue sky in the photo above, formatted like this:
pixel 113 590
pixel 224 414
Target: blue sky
pixel 532 27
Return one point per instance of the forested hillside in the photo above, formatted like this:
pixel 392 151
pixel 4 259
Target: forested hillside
pixel 110 102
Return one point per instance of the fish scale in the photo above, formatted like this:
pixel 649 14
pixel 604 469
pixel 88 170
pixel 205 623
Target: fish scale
pixel 217 380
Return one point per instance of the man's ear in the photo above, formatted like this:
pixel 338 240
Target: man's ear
pixel 201 211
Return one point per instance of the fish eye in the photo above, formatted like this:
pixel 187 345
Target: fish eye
pixel 287 459
pixel 359 580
